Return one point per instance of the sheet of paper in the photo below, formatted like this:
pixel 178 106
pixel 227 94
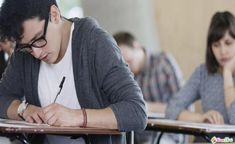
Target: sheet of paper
pixel 18 124
pixel 153 115
pixel 205 126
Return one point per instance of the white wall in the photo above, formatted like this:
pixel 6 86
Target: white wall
pixel 135 16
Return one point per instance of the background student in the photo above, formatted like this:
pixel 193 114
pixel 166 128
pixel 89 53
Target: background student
pixel 211 82
pixel 158 76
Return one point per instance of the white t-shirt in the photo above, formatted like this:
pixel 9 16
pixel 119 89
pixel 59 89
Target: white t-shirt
pixel 50 77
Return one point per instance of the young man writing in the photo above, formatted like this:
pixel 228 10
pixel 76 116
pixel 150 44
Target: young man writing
pixel 99 90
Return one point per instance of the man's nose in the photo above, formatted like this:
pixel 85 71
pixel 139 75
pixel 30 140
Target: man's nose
pixel 36 52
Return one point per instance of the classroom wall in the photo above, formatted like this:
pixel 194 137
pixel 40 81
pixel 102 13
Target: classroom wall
pixel 135 16
pixel 179 27
pixel 182 28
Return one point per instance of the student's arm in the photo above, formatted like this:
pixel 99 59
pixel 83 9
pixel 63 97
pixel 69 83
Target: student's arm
pixel 12 110
pixel 187 95
pixel 157 107
pixel 212 117
pixel 177 108
pixel 31 114
pixel 119 86
pixel 101 117
pixel 11 90
pixel 190 116
pixel 229 90
pixel 58 115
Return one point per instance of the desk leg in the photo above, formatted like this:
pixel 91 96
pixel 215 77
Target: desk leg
pixel 22 138
pixel 158 138
pixel 206 137
pixel 130 137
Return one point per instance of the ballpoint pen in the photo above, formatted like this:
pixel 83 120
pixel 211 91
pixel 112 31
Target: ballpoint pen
pixel 60 88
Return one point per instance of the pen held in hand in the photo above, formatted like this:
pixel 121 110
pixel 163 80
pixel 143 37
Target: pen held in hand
pixel 60 88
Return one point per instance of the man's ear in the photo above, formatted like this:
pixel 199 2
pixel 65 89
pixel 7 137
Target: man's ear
pixel 55 14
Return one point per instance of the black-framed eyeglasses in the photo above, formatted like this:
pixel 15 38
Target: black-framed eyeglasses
pixel 37 43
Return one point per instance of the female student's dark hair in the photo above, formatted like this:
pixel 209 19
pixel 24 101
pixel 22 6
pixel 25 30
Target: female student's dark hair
pixel 220 23
pixel 15 12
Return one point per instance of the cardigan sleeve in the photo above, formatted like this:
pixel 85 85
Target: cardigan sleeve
pixel 10 84
pixel 186 96
pixel 118 84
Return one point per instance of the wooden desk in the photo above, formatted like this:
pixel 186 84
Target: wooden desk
pixel 201 129
pixel 21 127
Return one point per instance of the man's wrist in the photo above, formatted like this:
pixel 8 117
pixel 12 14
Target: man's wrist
pixel 84 124
pixel 21 109
pixel 78 117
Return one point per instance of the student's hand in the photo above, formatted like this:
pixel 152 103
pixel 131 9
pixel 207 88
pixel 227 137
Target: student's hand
pixel 58 115
pixel 230 65
pixel 212 117
pixel 34 114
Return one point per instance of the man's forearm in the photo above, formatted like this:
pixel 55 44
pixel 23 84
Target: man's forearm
pixel 103 118
pixel 12 110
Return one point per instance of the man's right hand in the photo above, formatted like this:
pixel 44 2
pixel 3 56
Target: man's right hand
pixel 34 114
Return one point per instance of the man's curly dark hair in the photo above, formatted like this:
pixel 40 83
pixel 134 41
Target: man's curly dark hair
pixel 14 12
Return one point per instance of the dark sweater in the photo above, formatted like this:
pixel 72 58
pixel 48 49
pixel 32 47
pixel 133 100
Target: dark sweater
pixel 102 79
pixel 3 63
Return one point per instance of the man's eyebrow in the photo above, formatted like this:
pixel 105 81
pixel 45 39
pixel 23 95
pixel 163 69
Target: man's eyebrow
pixel 36 36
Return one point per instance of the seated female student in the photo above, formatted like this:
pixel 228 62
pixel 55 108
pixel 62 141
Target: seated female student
pixel 212 82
